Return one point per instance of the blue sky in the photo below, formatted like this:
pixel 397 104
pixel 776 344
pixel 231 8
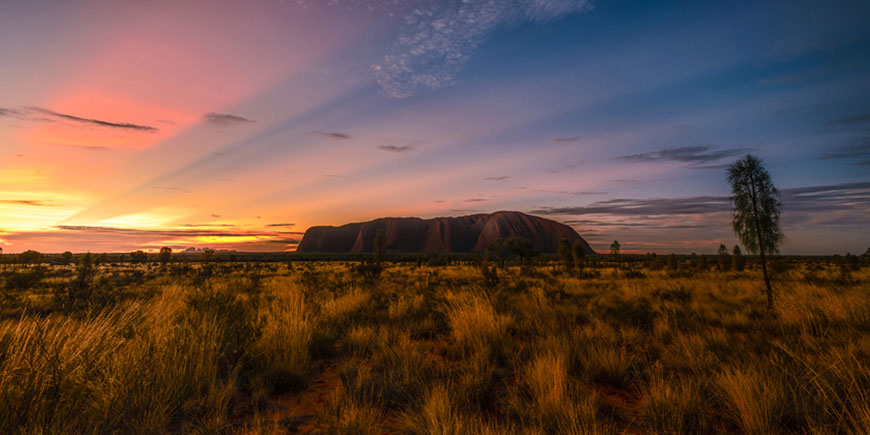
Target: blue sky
pixel 615 117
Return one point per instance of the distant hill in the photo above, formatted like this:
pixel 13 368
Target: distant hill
pixel 471 233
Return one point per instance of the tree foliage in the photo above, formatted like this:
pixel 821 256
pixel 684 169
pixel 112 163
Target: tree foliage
pixel 565 254
pixel 614 249
pixel 138 257
pixel 579 254
pixel 756 206
pixel 30 257
pixel 756 211
pixel 165 254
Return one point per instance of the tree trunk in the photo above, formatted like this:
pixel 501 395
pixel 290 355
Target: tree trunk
pixel 754 193
pixel 761 247
pixel 766 280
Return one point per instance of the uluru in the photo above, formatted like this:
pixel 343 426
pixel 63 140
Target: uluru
pixel 472 233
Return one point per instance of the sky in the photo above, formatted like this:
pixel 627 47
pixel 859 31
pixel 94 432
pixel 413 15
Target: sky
pixel 237 125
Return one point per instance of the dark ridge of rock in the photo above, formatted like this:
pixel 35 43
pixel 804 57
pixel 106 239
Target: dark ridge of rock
pixel 471 233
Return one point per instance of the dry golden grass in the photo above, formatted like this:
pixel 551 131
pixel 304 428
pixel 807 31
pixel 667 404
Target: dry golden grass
pixel 473 320
pixel 431 350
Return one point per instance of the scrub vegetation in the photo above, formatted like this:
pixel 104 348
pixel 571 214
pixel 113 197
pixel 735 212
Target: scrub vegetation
pixel 629 344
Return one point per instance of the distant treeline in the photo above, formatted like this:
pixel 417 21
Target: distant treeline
pixel 657 261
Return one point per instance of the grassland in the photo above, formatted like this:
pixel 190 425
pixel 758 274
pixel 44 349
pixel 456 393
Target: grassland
pixel 328 347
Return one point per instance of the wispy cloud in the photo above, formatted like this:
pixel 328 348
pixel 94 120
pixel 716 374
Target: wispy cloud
pixel 330 134
pixel 834 197
pixel 568 167
pixel 40 114
pixel 475 200
pixel 692 154
pixel 10 113
pixel 171 189
pixel 498 178
pixel 716 166
pixel 565 139
pixel 397 148
pixel 645 207
pixel 96 148
pixel 281 225
pixel 570 192
pixel 164 233
pixel 851 120
pixel 646 223
pixel 223 119
pixel 438 38
pixel 32 202
pixel 847 196
pixel 856 151
pixel 209 225
pixel 102 238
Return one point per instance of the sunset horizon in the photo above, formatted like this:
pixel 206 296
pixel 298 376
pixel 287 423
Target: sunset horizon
pixel 434 217
pixel 240 126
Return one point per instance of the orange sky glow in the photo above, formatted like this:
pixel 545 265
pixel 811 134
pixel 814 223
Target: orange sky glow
pixel 137 125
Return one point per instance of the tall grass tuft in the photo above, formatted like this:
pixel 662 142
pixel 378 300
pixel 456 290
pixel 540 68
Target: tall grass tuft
pixel 754 401
pixel 474 322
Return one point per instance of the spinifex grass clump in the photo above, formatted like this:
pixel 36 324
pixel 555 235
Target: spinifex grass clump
pixel 233 347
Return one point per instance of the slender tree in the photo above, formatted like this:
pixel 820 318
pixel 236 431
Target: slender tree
pixel 380 246
pixel 737 261
pixel 724 258
pixel 614 253
pixel 756 211
pixel 165 254
pixel 565 254
pixel 672 263
pixel 579 254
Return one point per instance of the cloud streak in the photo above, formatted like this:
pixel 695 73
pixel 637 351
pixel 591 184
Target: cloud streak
pixel 114 239
pixel 565 139
pixel 330 135
pixel 34 113
pixel 692 154
pixel 570 192
pixel 645 207
pixel 851 120
pixel 397 148
pixel 857 151
pixel 827 198
pixel 223 119
pixel 31 202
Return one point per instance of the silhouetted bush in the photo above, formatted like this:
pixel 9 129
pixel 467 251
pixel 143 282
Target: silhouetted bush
pixel 639 313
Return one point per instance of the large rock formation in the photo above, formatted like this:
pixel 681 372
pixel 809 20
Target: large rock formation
pixel 471 233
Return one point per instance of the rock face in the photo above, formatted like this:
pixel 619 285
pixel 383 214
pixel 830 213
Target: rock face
pixel 471 233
